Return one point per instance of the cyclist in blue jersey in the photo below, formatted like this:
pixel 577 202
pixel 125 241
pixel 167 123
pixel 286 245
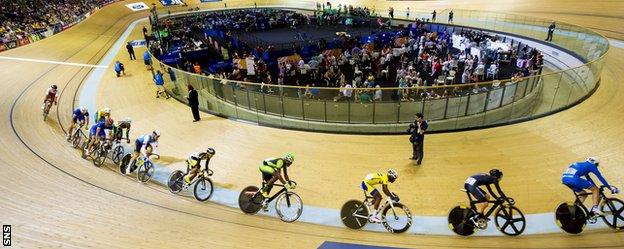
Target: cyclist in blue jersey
pixel 143 145
pixel 98 133
pixel 573 178
pixel 81 116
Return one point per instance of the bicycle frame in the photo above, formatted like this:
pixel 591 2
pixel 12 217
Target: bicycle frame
pixel 284 189
pixel 498 201
pixel 580 203
pixel 367 197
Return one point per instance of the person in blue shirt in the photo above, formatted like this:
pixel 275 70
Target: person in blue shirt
pixel 147 59
pixel 79 116
pixel 98 132
pixel 119 68
pixel 160 85
pixel 573 178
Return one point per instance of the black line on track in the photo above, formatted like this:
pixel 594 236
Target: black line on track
pixel 194 214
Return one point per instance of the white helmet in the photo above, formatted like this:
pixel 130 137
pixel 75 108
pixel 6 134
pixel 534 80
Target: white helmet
pixel 127 120
pixel 593 159
pixel 195 156
pixel 83 109
pixel 107 110
pixel 156 132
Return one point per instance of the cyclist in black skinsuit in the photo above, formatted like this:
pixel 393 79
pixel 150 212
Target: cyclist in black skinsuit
pixel 472 186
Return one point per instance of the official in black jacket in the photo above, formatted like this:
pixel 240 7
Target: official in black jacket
pixel 193 102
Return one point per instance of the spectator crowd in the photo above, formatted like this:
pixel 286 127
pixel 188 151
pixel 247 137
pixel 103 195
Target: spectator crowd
pixel 414 56
pixel 20 19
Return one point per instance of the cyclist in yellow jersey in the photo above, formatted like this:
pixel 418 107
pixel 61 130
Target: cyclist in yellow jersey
pixel 368 185
pixel 271 172
pixel 102 114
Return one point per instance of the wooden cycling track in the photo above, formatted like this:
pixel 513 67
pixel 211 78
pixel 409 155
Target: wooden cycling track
pixel 51 197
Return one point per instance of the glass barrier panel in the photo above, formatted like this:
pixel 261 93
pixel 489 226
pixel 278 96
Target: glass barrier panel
pixel 293 108
pixel 273 105
pixel 337 112
pixel 386 112
pixel 314 110
pixel 476 103
pixel 434 108
pixel 361 112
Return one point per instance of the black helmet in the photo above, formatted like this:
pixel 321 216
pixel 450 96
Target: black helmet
pixel 496 173
pixel 54 87
pixel 210 152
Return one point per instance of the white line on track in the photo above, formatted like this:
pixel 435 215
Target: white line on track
pixel 52 62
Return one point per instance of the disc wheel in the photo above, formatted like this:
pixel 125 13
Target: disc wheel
pixel 246 202
pixel 289 206
pixel 613 209
pixel 397 219
pixel 203 189
pixel 459 221
pixel 570 218
pixel 349 211
pixel 510 220
pixel 176 181
pixel 145 172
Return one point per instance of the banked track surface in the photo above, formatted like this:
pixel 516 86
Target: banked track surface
pixel 52 197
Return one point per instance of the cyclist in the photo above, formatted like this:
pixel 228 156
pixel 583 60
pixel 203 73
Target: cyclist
pixel 572 178
pixel 368 185
pixel 102 114
pixel 119 127
pixel 194 164
pixel 271 172
pixel 143 145
pixel 80 115
pixel 98 133
pixel 51 96
pixel 472 186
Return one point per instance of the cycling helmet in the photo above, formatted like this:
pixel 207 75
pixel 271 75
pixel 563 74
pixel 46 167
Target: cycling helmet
pixel 195 156
pixel 496 173
pixel 83 109
pixel 593 159
pixel 210 152
pixel 107 110
pixel 289 157
pixel 392 175
pixel 156 132
pixel 54 87
pixel 127 120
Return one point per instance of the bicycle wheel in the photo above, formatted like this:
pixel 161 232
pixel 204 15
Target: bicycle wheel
pixel 175 182
pixel 289 206
pixel 245 200
pixel 203 189
pixel 397 219
pixel 99 156
pixel 83 150
pixel 612 209
pixel 76 139
pixel 510 220
pixel 145 172
pixel 124 163
pixel 354 214
pixel 118 153
pixel 570 218
pixel 459 221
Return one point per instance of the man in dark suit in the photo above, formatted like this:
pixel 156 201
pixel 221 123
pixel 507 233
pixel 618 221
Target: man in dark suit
pixel 417 138
pixel 551 30
pixel 193 102
pixel 130 51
